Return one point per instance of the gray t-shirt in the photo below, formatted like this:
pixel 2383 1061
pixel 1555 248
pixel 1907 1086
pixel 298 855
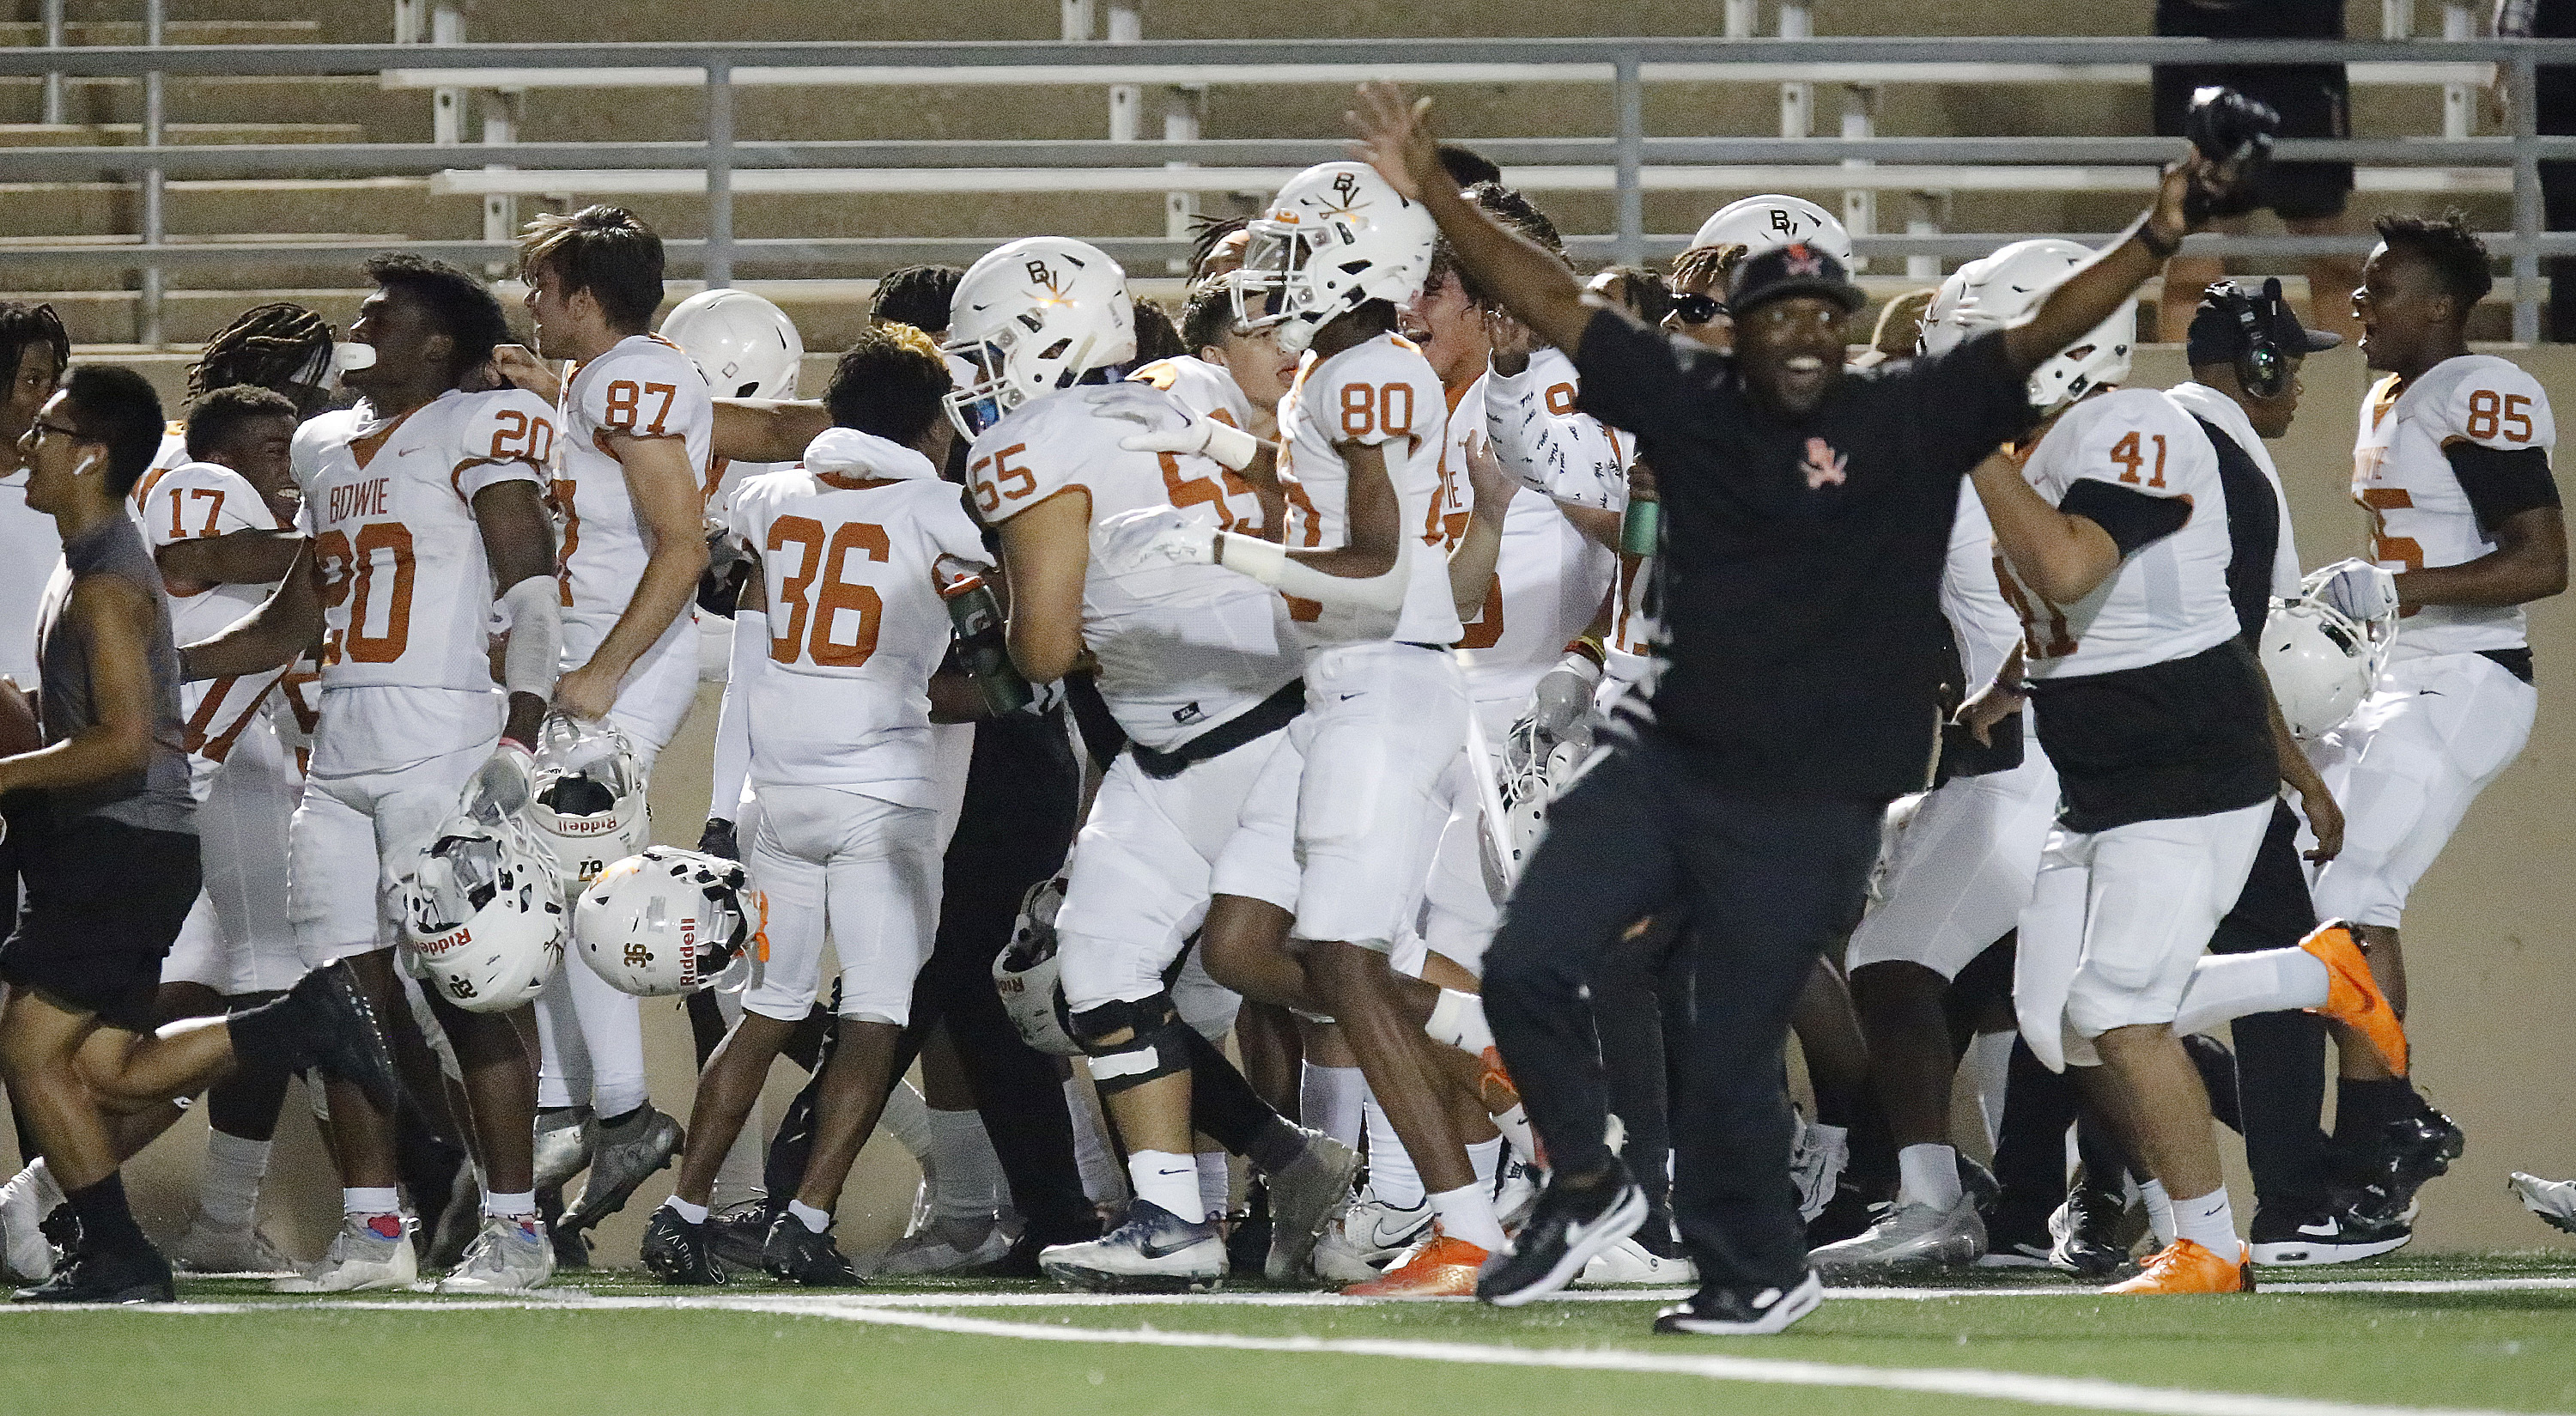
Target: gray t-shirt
pixel 155 798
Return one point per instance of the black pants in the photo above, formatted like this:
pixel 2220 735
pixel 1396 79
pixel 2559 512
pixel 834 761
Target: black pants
pixel 1628 1013
pixel 1017 824
pixel 2280 1057
pixel 1768 883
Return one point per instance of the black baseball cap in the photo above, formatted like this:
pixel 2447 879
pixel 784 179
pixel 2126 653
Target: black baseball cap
pixel 1795 269
pixel 2218 333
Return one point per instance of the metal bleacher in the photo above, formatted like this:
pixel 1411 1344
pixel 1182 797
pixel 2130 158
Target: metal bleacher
pixel 154 222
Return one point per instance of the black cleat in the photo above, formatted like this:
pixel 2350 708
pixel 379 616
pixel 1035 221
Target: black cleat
pixel 680 1252
pixel 1847 1215
pixel 346 1041
pixel 1247 1245
pixel 735 1237
pixel 132 1275
pixel 1567 1229
pixel 2332 1233
pixel 2084 1233
pixel 2398 1159
pixel 2017 1237
pixel 799 1255
pixel 1743 1312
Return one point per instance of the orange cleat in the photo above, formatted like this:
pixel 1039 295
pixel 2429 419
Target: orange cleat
pixel 2186 1267
pixel 1438 1267
pixel 2352 995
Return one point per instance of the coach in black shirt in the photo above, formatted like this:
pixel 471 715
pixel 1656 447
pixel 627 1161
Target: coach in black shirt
pixel 1807 510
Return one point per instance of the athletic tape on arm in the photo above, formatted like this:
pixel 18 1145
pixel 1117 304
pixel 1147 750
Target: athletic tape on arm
pixel 1268 562
pixel 535 651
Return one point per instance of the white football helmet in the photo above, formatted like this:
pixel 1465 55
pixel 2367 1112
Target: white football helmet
pixel 743 346
pixel 483 915
pixel 1336 237
pixel 2321 661
pixel 588 799
pixel 1026 973
pixel 1032 317
pixel 663 921
pixel 1759 223
pixel 2010 284
pixel 1941 329
pixel 1535 770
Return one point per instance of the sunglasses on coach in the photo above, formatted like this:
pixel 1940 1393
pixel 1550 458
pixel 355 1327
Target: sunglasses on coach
pixel 1697 309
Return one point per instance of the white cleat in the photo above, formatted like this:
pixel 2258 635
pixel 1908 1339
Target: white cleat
pixel 1817 1157
pixel 1630 1264
pixel 1371 1234
pixel 2553 1200
pixel 371 1251
pixel 1909 1236
pixel 214 1248
pixel 1155 1251
pixel 1515 1193
pixel 507 1256
pixel 25 1252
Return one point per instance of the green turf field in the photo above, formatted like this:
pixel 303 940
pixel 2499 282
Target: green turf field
pixel 2484 1333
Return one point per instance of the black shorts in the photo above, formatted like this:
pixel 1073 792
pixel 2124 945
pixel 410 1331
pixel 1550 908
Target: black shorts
pixel 2314 102
pixel 102 902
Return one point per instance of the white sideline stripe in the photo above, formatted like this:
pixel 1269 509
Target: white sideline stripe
pixel 2083 1393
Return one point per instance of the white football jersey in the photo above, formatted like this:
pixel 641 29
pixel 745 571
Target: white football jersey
pixel 1554 450
pixel 856 627
pixel 1972 595
pixel 173 451
pixel 407 591
pixel 2167 600
pixel 1205 389
pixel 1182 648
pixel 2419 516
pixel 645 388
pixel 1379 393
pixel 194 501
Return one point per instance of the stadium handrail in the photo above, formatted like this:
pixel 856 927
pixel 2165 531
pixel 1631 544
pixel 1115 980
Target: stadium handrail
pixel 1627 64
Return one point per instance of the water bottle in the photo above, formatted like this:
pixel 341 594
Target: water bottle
pixel 976 617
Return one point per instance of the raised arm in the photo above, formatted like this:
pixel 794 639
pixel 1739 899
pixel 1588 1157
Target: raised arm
pixel 1395 137
pixel 767 429
pixel 2089 296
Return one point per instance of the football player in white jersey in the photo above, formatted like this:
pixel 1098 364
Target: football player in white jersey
pixel 850 549
pixel 2451 462
pixel 280 346
pixel 1199 668
pixel 221 526
pixel 629 496
pixel 425 506
pixel 2113 532
pixel 1362 428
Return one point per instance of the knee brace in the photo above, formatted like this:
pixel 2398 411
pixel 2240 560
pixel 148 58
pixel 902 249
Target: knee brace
pixel 1154 1042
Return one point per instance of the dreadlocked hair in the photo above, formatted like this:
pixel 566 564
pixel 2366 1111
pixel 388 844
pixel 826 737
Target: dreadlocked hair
pixel 267 346
pixel 1706 266
pixel 22 325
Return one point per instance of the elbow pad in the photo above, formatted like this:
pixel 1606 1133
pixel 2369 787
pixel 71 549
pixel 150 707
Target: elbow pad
pixel 1268 562
pixel 535 651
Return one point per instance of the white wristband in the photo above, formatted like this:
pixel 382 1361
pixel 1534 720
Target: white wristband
pixel 1231 445
pixel 1262 560
pixel 533 657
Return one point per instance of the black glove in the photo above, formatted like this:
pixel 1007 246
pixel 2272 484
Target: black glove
pixel 717 839
pixel 2234 132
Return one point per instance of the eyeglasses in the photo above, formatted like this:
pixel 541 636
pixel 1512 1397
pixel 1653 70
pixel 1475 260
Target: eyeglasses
pixel 41 428
pixel 1697 309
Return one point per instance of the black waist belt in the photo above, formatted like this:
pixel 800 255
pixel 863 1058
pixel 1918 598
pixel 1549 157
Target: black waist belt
pixel 1262 719
pixel 2516 662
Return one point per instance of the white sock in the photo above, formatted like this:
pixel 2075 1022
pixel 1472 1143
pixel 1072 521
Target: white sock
pixel 812 1218
pixel 2225 987
pixel 1930 1176
pixel 612 1034
pixel 2209 1222
pixel 2160 1212
pixel 1989 1067
pixel 1392 1177
pixel 1169 1179
pixel 228 1190
pixel 1216 1183
pixel 1515 1126
pixel 742 1176
pixel 375 1199
pixel 694 1214
pixel 1101 1181
pixel 1468 1213
pixel 1458 1019
pixel 1487 1157
pixel 966 1181
pixel 522 1205
pixel 49 1194
pixel 1328 1099
pixel 907 1118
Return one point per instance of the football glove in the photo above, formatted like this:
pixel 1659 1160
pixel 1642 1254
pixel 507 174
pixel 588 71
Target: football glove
pixel 1152 538
pixel 502 787
pixel 718 839
pixel 2356 589
pixel 1202 436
